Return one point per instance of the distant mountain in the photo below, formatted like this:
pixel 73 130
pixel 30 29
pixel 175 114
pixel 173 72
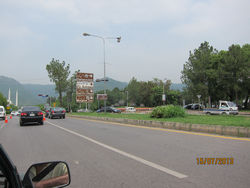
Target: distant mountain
pixel 28 93
pixel 110 84
pixel 24 96
pixel 36 89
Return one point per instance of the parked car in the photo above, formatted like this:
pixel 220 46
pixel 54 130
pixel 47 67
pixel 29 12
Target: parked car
pixel 31 114
pixel 188 106
pixel 47 177
pixel 2 112
pixel 197 107
pixel 56 112
pixel 194 106
pixel 109 109
pixel 130 109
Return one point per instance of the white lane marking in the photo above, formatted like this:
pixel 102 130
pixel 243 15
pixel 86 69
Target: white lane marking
pixel 148 163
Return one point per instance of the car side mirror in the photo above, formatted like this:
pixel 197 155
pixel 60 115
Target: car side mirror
pixel 47 175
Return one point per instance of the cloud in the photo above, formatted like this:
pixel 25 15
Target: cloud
pixel 216 18
pixel 156 34
pixel 94 12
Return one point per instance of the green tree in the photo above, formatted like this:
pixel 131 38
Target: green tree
pixel 71 90
pixel 133 90
pixel 233 68
pixel 3 100
pixel 198 72
pixel 245 79
pixel 58 73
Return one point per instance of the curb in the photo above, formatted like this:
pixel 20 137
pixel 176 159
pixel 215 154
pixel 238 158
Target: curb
pixel 214 129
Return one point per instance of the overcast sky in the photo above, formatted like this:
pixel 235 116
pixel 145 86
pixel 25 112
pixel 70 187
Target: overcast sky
pixel 157 35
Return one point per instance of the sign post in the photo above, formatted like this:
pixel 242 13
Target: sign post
pixel 84 87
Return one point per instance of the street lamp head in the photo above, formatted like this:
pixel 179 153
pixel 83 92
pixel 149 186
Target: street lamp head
pixel 86 34
pixel 118 39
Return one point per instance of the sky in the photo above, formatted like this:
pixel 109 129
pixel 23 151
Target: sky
pixel 156 35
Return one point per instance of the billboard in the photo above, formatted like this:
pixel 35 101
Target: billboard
pixel 84 87
pixel 102 97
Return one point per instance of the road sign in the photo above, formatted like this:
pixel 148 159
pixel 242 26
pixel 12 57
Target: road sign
pixel 102 97
pixel 163 97
pixel 84 87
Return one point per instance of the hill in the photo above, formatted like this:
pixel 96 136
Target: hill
pixel 28 93
pixel 111 84
pixel 24 96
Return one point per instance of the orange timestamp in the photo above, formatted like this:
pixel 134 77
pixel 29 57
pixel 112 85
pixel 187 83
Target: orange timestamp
pixel 214 161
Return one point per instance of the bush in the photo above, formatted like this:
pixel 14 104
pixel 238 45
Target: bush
pixel 168 111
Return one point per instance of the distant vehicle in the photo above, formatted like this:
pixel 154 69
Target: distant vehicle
pixel 195 106
pixel 15 113
pixel 83 110
pixel 31 114
pixel 188 106
pixel 10 178
pixel 2 112
pixel 130 109
pixel 56 112
pixel 47 111
pixel 109 109
pixel 225 107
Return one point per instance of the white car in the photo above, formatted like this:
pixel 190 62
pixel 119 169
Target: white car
pixel 15 113
pixel 2 112
pixel 130 109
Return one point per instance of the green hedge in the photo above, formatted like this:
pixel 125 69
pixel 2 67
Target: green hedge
pixel 168 111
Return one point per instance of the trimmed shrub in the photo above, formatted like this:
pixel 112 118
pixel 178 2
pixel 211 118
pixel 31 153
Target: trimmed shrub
pixel 168 111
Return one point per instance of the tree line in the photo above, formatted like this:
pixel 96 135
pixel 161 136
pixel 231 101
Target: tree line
pixel 218 75
pixel 215 75
pixel 137 93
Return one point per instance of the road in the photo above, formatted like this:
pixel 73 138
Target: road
pixel 108 155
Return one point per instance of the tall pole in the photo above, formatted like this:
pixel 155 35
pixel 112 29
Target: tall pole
pixel 127 98
pixel 104 61
pixel 17 98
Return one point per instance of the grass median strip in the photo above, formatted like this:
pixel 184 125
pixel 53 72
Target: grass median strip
pixel 224 120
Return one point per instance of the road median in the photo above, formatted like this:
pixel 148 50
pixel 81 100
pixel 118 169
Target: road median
pixel 213 129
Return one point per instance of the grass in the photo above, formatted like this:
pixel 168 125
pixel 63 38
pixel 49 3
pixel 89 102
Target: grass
pixel 225 120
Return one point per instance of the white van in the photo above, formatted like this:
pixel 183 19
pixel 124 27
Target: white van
pixel 2 112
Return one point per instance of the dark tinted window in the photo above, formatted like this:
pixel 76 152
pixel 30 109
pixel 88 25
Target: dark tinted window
pixel 1 109
pixel 31 108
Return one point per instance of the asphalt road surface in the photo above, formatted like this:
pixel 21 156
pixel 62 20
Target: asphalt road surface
pixel 108 155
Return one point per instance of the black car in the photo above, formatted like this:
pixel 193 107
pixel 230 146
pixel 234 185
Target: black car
pixel 188 106
pixel 109 109
pixel 10 178
pixel 197 107
pixel 31 114
pixel 194 106
pixel 56 112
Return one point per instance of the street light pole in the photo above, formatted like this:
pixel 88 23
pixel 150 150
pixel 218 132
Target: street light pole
pixel 127 98
pixel 104 60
